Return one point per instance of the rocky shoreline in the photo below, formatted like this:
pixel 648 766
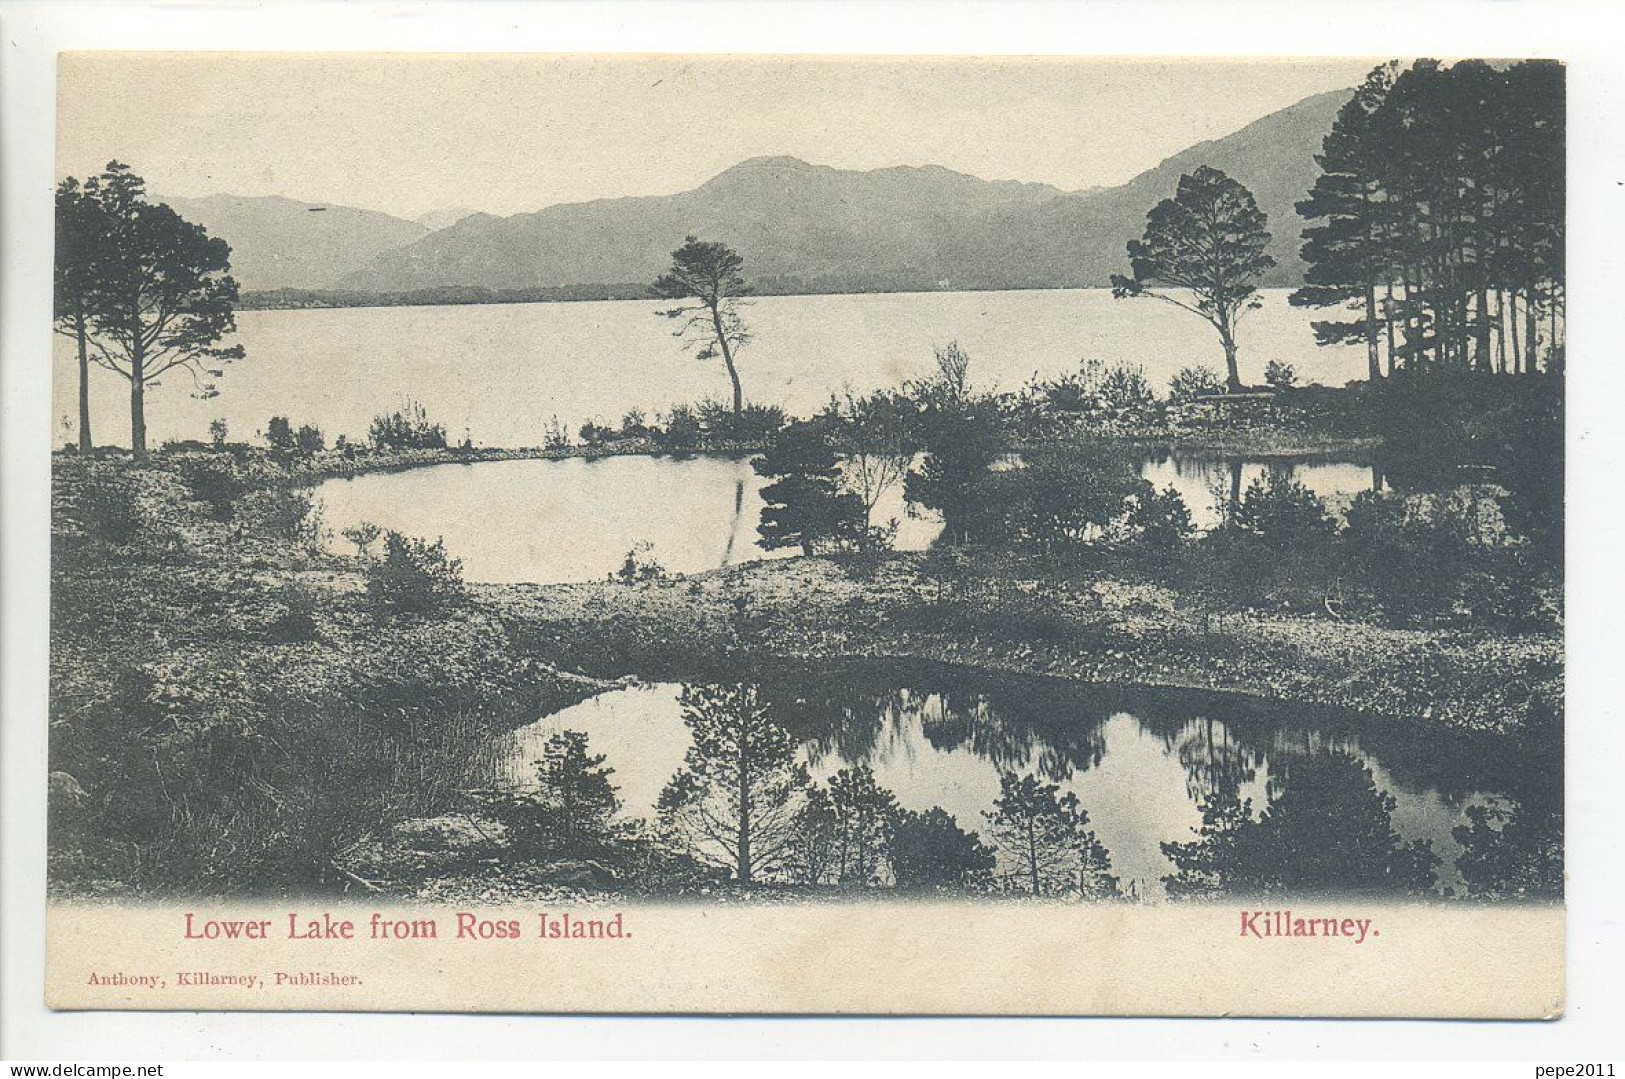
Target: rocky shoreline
pixel 1102 631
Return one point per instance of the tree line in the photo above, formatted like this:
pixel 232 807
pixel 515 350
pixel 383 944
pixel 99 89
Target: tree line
pixel 1439 218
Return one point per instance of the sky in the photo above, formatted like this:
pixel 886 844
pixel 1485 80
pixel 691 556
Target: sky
pixel 412 134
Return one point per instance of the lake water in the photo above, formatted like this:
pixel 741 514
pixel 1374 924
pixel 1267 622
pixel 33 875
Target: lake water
pixel 501 371
pixel 575 519
pixel 1140 763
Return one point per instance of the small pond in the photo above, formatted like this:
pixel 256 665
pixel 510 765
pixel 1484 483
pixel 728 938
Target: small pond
pixel 575 519
pixel 1328 796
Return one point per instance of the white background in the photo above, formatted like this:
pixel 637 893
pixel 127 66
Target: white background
pixel 1588 35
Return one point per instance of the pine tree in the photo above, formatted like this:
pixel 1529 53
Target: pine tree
pixel 162 297
pixel 1347 253
pixel 1207 245
pixel 735 803
pixel 1043 839
pixel 806 506
pixel 575 803
pixel 706 281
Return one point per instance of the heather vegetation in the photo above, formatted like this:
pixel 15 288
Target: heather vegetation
pixel 243 702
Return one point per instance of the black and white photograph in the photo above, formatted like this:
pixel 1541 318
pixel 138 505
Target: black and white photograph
pixel 542 495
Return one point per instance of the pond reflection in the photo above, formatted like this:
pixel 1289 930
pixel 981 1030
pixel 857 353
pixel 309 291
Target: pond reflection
pixel 1190 796
pixel 575 519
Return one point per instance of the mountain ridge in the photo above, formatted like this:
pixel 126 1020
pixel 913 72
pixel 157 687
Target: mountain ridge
pixel 804 226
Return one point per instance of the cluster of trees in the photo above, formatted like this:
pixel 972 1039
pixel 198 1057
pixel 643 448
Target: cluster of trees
pixel 744 806
pixel 1438 218
pixel 283 437
pixel 406 428
pixel 141 291
pixel 1327 830
pixel 936 438
pixel 684 428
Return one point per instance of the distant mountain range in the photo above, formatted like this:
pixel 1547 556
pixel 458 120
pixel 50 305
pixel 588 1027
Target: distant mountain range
pixel 800 227
pixel 283 243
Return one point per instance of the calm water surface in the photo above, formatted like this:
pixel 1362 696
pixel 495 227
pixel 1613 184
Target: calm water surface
pixel 501 371
pixel 575 519
pixel 1140 762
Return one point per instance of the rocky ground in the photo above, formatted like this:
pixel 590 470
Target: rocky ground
pixel 1094 630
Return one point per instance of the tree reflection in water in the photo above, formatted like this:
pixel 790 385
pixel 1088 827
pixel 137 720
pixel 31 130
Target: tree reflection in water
pixel 1210 795
pixel 1327 830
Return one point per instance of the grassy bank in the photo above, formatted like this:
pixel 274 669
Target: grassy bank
pixel 232 708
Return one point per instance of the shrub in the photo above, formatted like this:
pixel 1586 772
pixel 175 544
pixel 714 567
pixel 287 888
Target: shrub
pixel 214 481
pixel 555 436
pixel 639 565
pixel 1279 510
pixel 1096 390
pixel 930 850
pixel 594 433
pixel 1125 389
pixel 1409 555
pixel 296 619
pixel 754 424
pixel 635 424
pixel 1503 591
pixel 282 514
pixel 108 509
pixel 363 535
pixel 1279 376
pixel 683 431
pixel 413 576
pixel 1194 382
pixel 407 428
pixel 1063 498
pixel 279 433
pixel 217 433
pixel 308 439
pixel 1159 520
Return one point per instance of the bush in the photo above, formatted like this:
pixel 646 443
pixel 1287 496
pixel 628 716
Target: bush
pixel 282 514
pixel 683 431
pixel 555 436
pixel 755 424
pixel 1158 520
pixel 594 433
pixel 1194 382
pixel 217 433
pixel 1281 511
pixel 279 433
pixel 1097 391
pixel 296 620
pixel 1063 498
pixel 1423 555
pixel 1125 389
pixel 930 850
pixel 639 565
pixel 1279 376
pixel 363 535
pixel 108 509
pixel 407 428
pixel 413 576
pixel 635 424
pixel 214 481
pixel 308 439
pixel 1503 590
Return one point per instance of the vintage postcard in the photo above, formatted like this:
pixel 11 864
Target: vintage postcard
pixel 570 533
